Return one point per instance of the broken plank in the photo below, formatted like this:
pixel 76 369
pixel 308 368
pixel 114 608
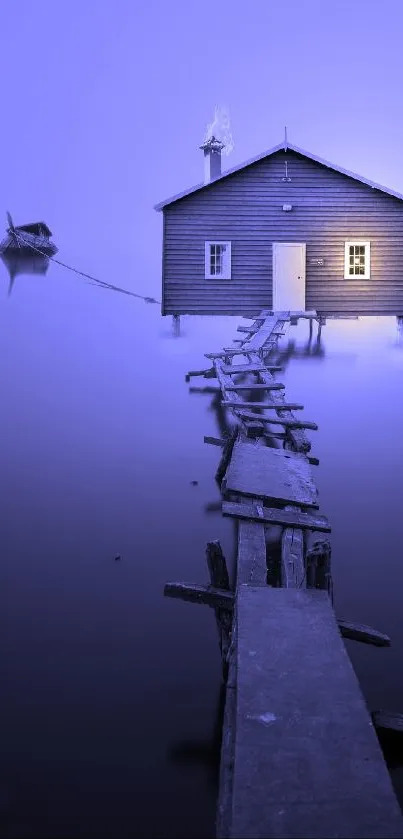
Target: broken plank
pixel 284 517
pixel 214 441
pixel 361 632
pixel 206 595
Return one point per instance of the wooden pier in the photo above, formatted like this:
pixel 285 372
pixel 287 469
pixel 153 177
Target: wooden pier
pixel 300 755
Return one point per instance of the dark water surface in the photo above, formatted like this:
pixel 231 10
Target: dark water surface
pixel 110 693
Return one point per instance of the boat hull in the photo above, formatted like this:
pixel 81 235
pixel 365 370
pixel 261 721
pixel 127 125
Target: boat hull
pixel 27 244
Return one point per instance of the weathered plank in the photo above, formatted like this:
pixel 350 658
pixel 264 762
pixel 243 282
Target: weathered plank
pixel 361 632
pixel 255 387
pixel 228 351
pixel 232 370
pixel 271 328
pixel 248 329
pixel 205 595
pixel 307 762
pixel 256 512
pixel 272 474
pixel 252 564
pixel 292 557
pixel 288 423
pixel 225 380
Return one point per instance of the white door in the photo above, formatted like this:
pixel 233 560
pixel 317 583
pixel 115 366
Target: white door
pixel 289 276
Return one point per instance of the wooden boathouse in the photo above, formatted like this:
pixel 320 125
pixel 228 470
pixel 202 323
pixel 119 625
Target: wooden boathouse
pixel 287 231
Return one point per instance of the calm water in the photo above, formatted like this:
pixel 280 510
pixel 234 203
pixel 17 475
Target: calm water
pixel 109 705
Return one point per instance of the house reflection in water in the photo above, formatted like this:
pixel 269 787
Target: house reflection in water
pixel 23 264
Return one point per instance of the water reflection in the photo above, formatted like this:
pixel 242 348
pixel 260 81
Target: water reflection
pixel 399 331
pixel 203 754
pixel 17 264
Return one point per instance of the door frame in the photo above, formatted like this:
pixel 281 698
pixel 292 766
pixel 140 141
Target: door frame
pixel 276 245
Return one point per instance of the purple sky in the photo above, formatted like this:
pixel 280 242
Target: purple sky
pixel 105 104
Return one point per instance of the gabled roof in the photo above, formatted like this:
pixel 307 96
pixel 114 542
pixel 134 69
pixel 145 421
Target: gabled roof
pixel 279 147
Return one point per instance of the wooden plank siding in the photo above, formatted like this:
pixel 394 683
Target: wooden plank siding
pixel 329 208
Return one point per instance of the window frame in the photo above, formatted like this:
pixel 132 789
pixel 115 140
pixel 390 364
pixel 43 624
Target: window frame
pixel 227 266
pixel 367 256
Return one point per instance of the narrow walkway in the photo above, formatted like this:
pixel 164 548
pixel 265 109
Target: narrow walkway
pixel 300 756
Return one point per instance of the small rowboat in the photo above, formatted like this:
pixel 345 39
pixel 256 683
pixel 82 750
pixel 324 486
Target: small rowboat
pixel 28 238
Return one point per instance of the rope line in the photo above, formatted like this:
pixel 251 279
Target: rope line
pixel 95 280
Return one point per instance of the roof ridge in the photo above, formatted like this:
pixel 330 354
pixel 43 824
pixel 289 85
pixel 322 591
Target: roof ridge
pixel 268 153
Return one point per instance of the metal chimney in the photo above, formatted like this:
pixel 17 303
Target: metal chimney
pixel 212 159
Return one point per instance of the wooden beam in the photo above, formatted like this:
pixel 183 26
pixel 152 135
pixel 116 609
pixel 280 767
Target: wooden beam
pixel 266 515
pixel 361 632
pixel 205 389
pixel 206 595
pixel 226 352
pixel 253 386
pixel 388 720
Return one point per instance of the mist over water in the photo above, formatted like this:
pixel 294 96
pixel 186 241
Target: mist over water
pixel 111 696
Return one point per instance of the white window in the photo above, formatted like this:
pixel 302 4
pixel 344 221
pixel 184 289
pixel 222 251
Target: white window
pixel 217 260
pixel 357 260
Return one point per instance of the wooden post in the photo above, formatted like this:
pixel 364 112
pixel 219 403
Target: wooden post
pixel 220 580
pixel 226 453
pixel 318 565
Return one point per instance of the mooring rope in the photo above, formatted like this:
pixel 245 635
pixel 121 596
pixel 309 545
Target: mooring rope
pixel 87 276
